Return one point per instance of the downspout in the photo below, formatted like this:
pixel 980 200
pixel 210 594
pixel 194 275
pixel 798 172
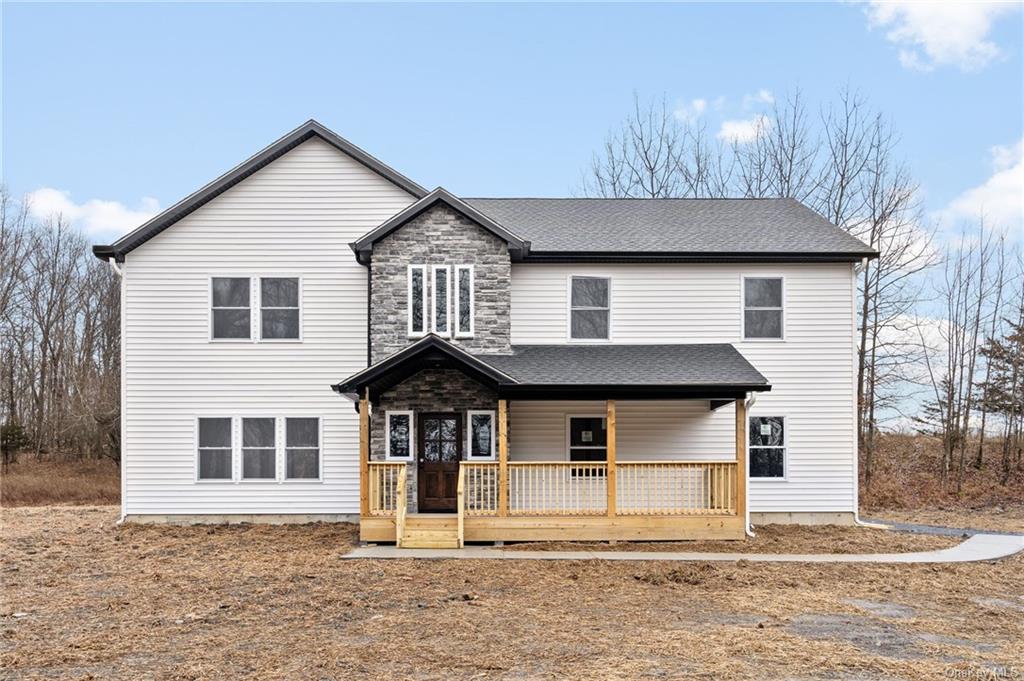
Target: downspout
pixel 746 478
pixel 119 272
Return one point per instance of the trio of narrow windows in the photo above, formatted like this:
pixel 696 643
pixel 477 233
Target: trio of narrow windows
pixel 277 304
pixel 259 449
pixel 448 305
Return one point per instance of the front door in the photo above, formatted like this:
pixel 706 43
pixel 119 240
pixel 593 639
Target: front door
pixel 440 449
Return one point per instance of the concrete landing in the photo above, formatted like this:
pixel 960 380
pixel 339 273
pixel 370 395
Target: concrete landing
pixel 976 548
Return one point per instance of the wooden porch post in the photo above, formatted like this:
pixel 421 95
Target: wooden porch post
pixel 741 458
pixel 502 458
pixel 364 454
pixel 611 479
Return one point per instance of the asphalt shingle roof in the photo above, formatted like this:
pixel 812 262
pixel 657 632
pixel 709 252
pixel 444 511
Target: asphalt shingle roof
pixel 717 364
pixel 670 226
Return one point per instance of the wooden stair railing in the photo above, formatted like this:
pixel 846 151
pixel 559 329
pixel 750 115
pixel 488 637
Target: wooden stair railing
pixel 403 506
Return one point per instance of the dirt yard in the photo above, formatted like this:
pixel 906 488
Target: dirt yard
pixel 84 599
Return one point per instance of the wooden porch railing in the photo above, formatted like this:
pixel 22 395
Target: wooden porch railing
pixel 460 507
pixel 386 483
pixel 676 488
pixel 403 507
pixel 581 488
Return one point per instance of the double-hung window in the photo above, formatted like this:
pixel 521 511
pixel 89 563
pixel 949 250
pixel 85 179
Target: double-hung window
pixel 231 313
pixel 763 308
pixel 589 308
pixel 215 449
pixel 302 448
pixel 480 436
pixel 279 308
pixel 767 447
pixel 259 448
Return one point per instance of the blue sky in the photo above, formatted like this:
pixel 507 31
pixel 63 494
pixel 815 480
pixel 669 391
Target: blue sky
pixel 113 111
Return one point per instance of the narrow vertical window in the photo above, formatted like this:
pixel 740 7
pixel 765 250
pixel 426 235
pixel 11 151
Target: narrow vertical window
pixel 417 300
pixel 302 448
pixel 279 308
pixel 259 449
pixel 230 310
pixel 590 308
pixel 442 300
pixel 762 308
pixel 464 301
pixel 481 434
pixel 214 449
pixel 399 434
pixel 767 447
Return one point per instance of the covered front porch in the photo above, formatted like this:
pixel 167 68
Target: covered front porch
pixel 594 488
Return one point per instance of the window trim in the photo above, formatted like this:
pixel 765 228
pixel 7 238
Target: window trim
pixel 456 288
pixel 434 269
pixel 284 479
pixel 259 309
pixel 570 308
pixel 195 450
pixel 209 309
pixel 784 447
pixel 743 308
pixel 387 435
pixel 469 434
pixel 408 279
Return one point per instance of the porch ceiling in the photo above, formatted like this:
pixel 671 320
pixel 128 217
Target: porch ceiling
pixel 704 371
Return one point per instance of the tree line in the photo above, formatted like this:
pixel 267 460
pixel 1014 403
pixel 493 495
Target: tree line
pixel 939 324
pixel 60 345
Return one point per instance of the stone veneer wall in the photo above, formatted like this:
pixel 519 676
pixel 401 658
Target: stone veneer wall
pixel 430 390
pixel 440 236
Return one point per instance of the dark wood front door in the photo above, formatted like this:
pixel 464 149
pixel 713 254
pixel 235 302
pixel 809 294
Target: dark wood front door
pixel 440 449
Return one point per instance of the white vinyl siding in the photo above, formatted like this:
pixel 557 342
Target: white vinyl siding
pixel 295 217
pixel 812 373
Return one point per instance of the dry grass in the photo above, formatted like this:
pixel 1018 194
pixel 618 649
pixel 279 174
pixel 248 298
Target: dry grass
pixel 83 598
pixel 776 539
pixel 38 483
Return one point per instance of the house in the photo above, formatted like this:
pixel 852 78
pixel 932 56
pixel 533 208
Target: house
pixel 314 336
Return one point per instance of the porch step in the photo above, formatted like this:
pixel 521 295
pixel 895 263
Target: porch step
pixel 430 532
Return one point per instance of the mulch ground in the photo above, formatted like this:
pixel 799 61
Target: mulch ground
pixel 775 539
pixel 84 599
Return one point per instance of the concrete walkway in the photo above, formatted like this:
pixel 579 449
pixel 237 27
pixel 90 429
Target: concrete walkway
pixel 918 528
pixel 976 548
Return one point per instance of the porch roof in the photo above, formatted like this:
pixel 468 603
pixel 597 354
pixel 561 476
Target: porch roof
pixel 712 370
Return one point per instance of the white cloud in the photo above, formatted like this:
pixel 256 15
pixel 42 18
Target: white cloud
pixel 691 111
pixel 932 34
pixel 1000 199
pixel 744 130
pixel 95 216
pixel 762 96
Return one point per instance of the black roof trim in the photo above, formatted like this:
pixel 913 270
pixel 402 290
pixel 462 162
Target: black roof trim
pixel 625 392
pixel 430 351
pixel 304 132
pixel 694 257
pixel 363 246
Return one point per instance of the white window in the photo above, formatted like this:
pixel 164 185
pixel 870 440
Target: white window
pixel 589 308
pixel 214 449
pixel 399 436
pixel 280 309
pixel 763 308
pixel 259 448
pixel 417 300
pixel 767 447
pixel 480 435
pixel 302 448
pixel 442 293
pixel 464 309
pixel 230 313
